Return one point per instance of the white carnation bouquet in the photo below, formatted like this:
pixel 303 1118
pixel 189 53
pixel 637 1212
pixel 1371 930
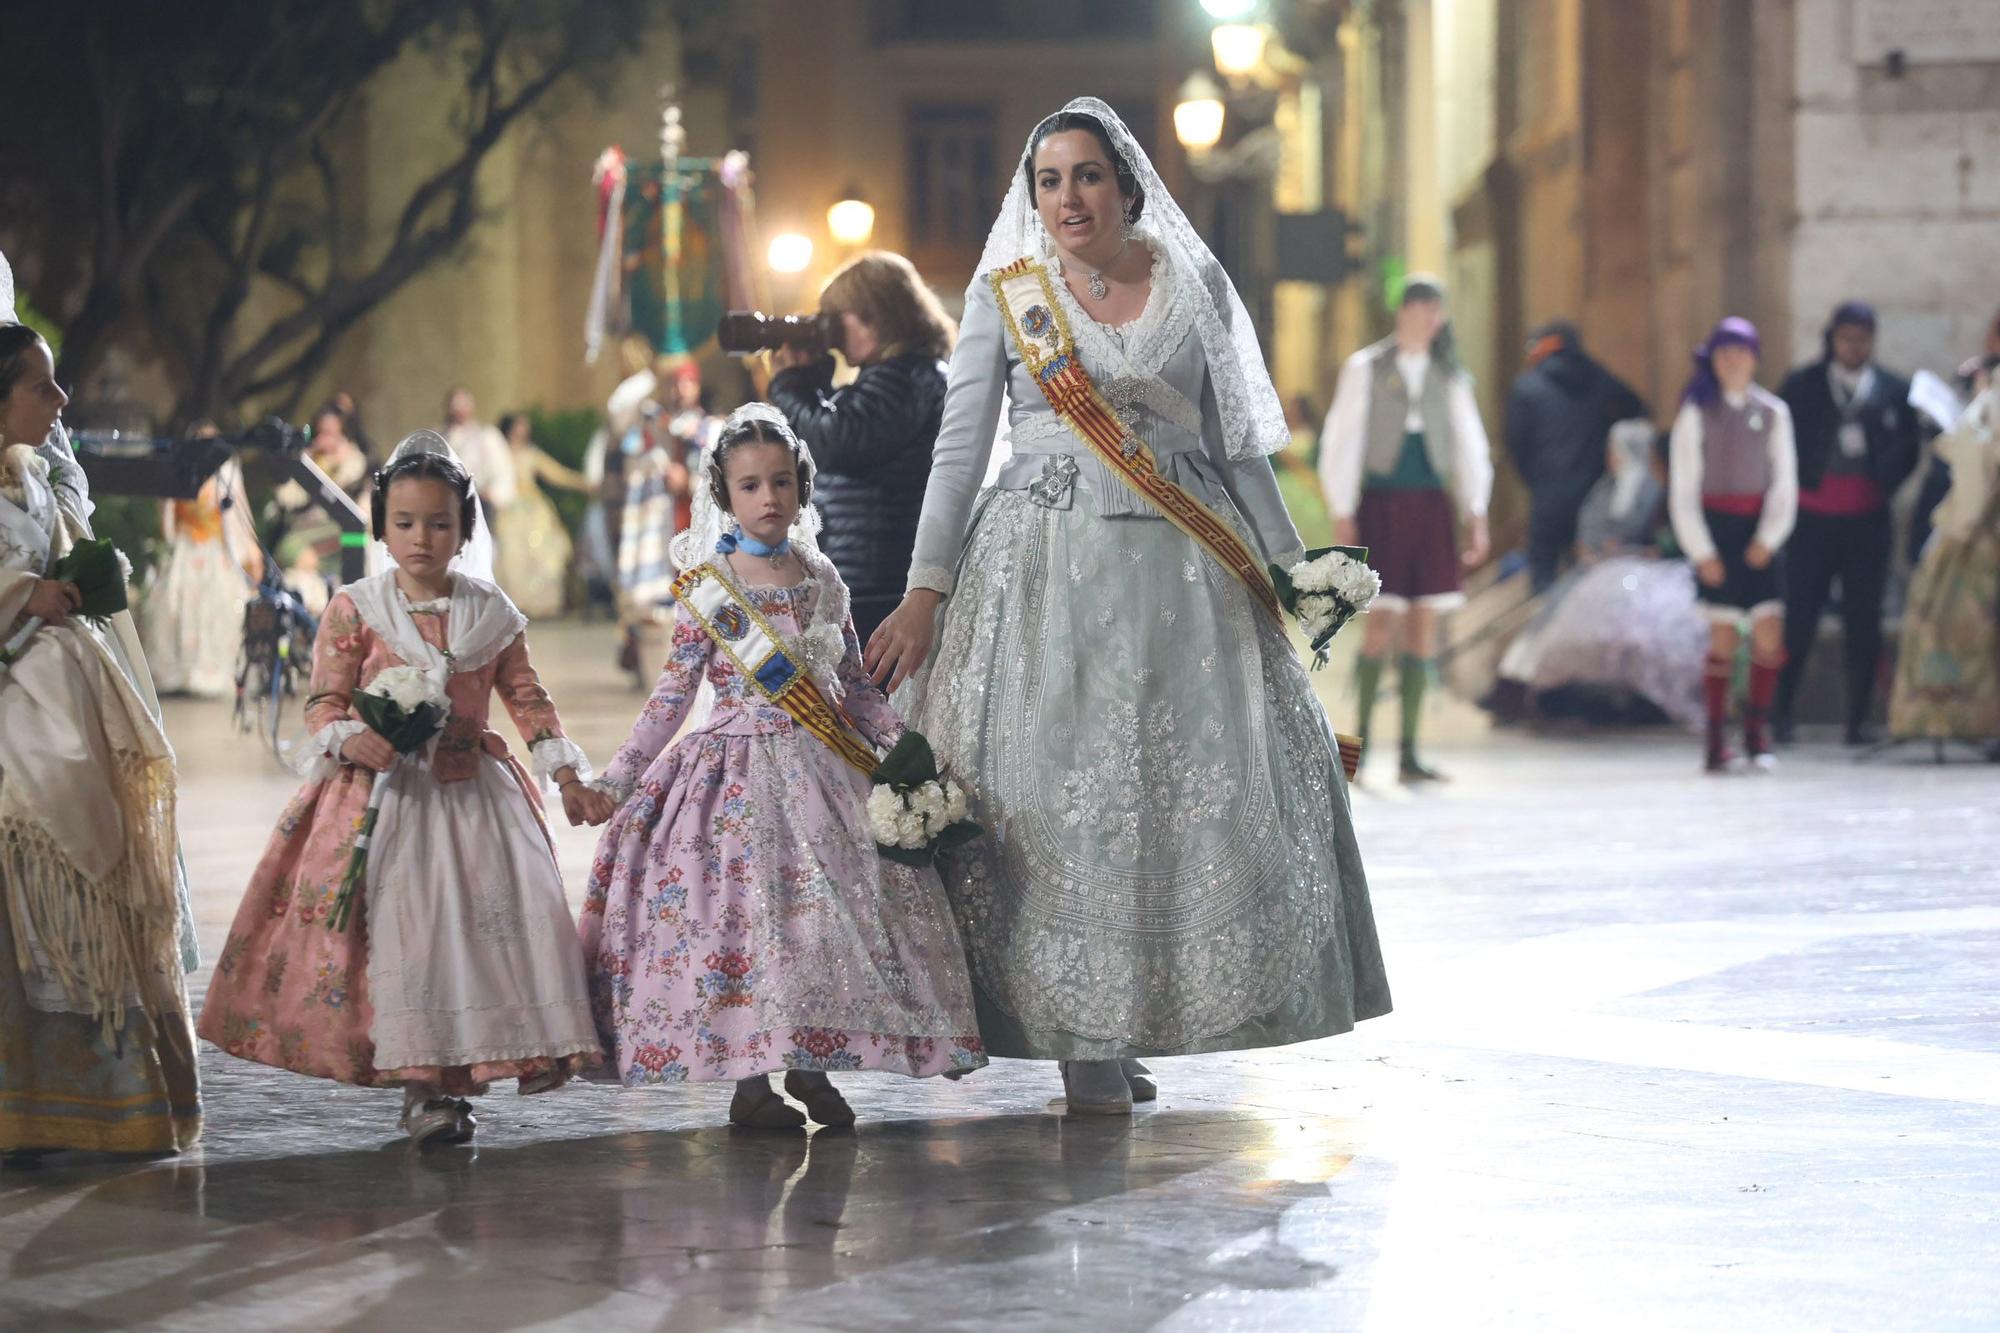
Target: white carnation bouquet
pixel 915 810
pixel 408 706
pixel 1325 590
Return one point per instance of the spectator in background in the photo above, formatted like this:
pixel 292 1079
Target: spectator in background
pixel 191 617
pixel 1405 463
pixel 356 432
pixel 484 453
pixel 1856 437
pixel 533 567
pixel 1733 491
pixel 1973 377
pixel 872 439
pixel 1559 419
pixel 304 536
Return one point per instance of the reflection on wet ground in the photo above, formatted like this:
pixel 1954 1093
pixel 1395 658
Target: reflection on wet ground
pixel 1668 1053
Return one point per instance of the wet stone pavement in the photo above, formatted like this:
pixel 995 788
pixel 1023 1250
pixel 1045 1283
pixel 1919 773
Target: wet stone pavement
pixel 1669 1053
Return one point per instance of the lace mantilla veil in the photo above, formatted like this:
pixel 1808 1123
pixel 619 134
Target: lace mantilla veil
pixel 476 559
pixel 824 641
pixel 1253 422
pixel 7 315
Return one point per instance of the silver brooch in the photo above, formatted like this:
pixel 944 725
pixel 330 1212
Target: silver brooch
pixel 1051 489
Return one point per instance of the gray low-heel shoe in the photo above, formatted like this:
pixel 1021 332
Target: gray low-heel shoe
pixel 1139 1079
pixel 1096 1087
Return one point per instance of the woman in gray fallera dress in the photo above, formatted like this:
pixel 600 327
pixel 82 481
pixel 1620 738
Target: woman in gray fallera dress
pixel 1170 866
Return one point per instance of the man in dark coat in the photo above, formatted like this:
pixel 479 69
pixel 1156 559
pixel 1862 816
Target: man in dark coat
pixel 1857 442
pixel 1558 419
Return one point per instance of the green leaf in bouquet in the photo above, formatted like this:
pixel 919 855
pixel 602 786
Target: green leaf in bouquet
pixel 94 567
pixel 405 731
pixel 956 835
pixel 1288 596
pixel 904 856
pixel 909 764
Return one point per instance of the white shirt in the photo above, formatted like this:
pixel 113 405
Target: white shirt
pixel 1343 443
pixel 1684 467
pixel 486 455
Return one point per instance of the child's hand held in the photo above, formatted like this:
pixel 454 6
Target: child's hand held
pixel 369 750
pixel 586 805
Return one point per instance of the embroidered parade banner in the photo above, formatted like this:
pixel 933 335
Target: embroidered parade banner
pixel 759 653
pixel 1047 347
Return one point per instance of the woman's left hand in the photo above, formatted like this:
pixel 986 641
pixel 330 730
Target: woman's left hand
pixel 1758 556
pixel 785 356
pixel 586 805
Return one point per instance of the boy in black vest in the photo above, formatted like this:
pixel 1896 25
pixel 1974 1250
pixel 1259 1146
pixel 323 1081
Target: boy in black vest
pixel 1857 442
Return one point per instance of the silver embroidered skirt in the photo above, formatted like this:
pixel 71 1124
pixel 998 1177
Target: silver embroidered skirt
pixel 1170 864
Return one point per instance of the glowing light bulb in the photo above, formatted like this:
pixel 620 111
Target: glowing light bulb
pixel 851 221
pixel 791 253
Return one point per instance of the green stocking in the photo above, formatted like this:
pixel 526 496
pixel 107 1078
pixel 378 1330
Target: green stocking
pixel 1367 680
pixel 1415 679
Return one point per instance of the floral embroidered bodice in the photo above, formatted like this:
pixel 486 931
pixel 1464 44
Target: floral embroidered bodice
pixel 741 708
pixel 348 655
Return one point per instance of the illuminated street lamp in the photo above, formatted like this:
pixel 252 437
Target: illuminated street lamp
pixel 1239 49
pixel 1228 11
pixel 851 221
pixel 791 253
pixel 1198 115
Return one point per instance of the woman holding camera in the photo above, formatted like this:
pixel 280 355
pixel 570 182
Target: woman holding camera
pixel 872 438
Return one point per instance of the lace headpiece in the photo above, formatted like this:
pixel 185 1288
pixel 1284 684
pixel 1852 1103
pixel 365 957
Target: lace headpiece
pixel 1253 422
pixel 7 315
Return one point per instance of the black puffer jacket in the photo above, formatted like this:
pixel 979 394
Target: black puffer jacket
pixel 1558 419
pixel 872 442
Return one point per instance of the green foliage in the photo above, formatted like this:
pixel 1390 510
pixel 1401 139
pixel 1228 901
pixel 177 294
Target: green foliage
pixel 565 436
pixel 132 524
pixel 1303 498
pixel 50 330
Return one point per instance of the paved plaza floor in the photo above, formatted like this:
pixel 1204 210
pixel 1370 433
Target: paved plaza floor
pixel 1669 1052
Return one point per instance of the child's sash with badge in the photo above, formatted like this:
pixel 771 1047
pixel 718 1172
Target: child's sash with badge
pixel 1041 333
pixel 760 654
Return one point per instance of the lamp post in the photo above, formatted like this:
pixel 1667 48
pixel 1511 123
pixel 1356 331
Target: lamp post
pixel 1239 49
pixel 1198 115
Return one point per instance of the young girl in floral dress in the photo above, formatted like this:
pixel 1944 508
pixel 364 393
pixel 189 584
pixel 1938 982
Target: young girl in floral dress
pixel 739 919
pixel 458 966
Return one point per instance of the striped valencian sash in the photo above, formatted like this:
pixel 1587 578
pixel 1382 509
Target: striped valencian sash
pixel 1041 334
pixel 760 654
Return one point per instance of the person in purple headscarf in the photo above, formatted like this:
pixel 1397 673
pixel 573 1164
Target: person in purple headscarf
pixel 1733 494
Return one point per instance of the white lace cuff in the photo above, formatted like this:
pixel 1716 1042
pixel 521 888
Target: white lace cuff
pixel 556 753
pixel 319 757
pixel 938 578
pixel 620 792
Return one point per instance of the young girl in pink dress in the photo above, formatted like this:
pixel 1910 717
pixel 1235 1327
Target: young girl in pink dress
pixel 739 919
pixel 459 965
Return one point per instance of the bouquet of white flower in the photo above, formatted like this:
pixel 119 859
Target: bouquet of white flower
pixel 1325 590
pixel 408 706
pixel 915 811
